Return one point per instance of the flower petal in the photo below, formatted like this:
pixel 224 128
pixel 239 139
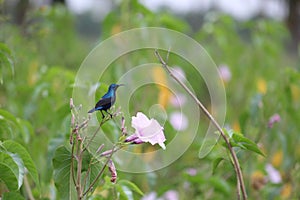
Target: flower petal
pixel 139 121
pixel 153 134
pixel 147 131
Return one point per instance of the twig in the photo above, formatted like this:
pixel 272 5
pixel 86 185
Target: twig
pixel 94 134
pixel 86 176
pixel 79 168
pixel 97 130
pixel 240 182
pixel 100 173
pixel 72 164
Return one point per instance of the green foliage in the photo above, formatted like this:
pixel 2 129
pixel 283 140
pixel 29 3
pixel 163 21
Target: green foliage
pixel 6 62
pixel 26 160
pixel 62 175
pixel 12 195
pixel 38 63
pixel 12 171
pixel 130 185
pixel 238 140
pixel 14 160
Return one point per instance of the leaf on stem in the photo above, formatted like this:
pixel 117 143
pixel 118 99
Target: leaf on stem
pixel 25 157
pixel 241 141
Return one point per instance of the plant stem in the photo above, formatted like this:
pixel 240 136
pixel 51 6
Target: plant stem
pixel 27 188
pixel 100 172
pixel 240 182
pixel 94 134
pixel 72 164
pixel 79 167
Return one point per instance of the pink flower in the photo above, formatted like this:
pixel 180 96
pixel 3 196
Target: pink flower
pixel 146 131
pixel 113 171
pixel 274 119
pixel 178 100
pixel 225 73
pixel 191 171
pixel 273 175
pixel 179 121
pixel 171 195
pixel 150 196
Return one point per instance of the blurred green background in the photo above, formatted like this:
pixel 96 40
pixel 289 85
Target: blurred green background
pixel 43 44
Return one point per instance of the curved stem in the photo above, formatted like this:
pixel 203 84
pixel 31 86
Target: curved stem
pixel 240 182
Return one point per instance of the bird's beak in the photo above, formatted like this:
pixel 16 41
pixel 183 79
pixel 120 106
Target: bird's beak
pixel 120 85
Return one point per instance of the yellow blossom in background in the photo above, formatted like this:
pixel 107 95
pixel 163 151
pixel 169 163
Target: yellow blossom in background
pixel 261 86
pixel 236 126
pixel 295 90
pixel 116 29
pixel 286 191
pixel 150 155
pixel 137 149
pixel 277 159
pixel 100 190
pixel 159 77
pixel 258 180
pixel 32 73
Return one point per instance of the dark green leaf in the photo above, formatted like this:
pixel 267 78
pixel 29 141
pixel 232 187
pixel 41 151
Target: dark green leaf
pixel 12 196
pixel 121 192
pixel 62 175
pixel 18 149
pixel 9 172
pixel 4 115
pixel 9 125
pixel 216 163
pixel 5 62
pixel 246 143
pixel 131 186
pixel 219 184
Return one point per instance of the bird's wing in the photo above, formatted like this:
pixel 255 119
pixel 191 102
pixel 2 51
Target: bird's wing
pixel 103 102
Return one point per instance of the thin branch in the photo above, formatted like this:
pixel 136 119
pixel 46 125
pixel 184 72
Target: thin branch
pixel 72 164
pixel 97 130
pixel 240 182
pixel 86 176
pixel 27 188
pixel 94 134
pixel 100 173
pixel 79 168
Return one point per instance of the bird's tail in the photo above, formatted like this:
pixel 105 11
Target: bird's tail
pixel 92 110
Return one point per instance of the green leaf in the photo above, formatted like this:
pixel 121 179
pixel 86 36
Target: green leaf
pixel 61 173
pixel 21 167
pixel 228 133
pixel 219 184
pixel 9 125
pixel 131 186
pixel 216 163
pixel 18 149
pixel 26 130
pixel 246 143
pixel 122 193
pixel 174 23
pixel 12 195
pixel 4 115
pixel 9 172
pixel 6 61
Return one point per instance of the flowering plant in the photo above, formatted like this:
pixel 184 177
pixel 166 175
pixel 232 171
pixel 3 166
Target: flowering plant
pixel 146 130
